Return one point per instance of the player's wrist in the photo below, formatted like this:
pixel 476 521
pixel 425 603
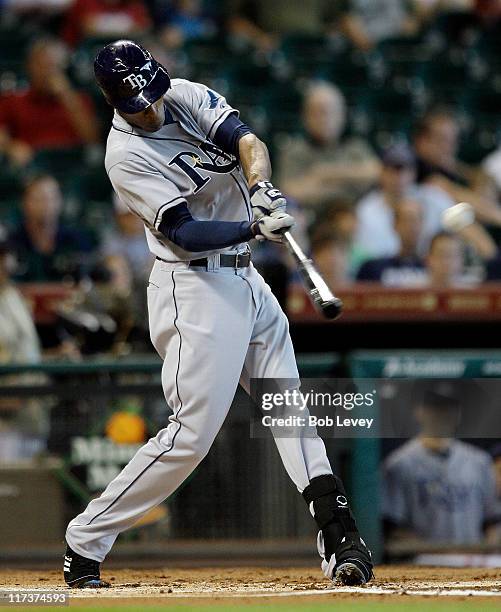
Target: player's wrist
pixel 259 184
pixel 254 228
pixel 249 230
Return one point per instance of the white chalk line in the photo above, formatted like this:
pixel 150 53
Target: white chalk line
pixel 157 593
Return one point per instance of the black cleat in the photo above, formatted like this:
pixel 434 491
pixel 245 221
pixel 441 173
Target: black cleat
pixel 82 573
pixel 350 564
pixel 353 563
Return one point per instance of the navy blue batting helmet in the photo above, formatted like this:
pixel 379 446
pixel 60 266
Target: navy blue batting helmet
pixel 129 76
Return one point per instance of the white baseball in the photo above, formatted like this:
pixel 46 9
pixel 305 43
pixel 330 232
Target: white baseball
pixel 455 218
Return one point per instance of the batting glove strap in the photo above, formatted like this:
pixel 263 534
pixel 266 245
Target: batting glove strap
pixel 266 199
pixel 272 228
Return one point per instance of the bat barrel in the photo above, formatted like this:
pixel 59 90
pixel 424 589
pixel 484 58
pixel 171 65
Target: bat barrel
pixel 323 298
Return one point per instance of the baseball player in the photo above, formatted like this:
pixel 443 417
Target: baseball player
pixel 180 158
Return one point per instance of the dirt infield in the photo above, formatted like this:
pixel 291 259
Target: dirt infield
pixel 254 586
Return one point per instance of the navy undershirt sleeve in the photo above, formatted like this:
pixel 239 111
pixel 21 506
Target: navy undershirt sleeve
pixel 229 133
pixel 180 228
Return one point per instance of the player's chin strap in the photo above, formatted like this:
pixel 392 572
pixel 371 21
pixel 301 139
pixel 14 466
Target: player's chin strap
pixel 327 501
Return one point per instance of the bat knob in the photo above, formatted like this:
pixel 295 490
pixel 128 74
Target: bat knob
pixel 332 309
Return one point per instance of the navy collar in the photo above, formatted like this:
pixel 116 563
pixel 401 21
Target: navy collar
pixel 168 116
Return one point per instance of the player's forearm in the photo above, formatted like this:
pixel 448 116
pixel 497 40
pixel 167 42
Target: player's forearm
pixel 254 159
pixel 179 227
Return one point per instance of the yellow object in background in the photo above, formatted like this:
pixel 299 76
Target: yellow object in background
pixel 126 428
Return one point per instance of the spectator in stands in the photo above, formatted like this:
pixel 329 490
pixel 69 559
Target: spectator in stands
pixel 43 14
pixel 127 240
pixel 49 114
pixel 376 234
pixel 430 9
pixel 22 421
pixel 445 261
pixel 338 218
pixel 471 18
pixel 18 337
pixel 46 249
pixel 262 24
pixel 491 165
pixel 185 20
pixel 436 141
pixel 496 456
pixel 125 246
pixel 495 531
pixel 321 165
pixel 105 18
pixel 331 255
pixel 365 24
pixel 246 27
pixel 406 269
pixel 437 488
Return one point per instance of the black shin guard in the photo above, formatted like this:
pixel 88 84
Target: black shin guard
pixel 331 510
pixel 347 558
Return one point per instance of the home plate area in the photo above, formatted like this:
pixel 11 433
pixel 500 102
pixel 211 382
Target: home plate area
pixel 217 585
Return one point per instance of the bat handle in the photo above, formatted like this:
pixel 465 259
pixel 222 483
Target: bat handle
pixel 293 245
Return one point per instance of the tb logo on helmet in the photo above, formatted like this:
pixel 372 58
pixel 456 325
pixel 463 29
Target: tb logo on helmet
pixel 135 80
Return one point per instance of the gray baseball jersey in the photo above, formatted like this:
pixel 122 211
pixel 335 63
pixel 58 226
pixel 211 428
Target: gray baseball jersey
pixel 178 163
pixel 442 498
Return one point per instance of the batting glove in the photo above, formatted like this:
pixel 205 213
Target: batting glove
pixel 266 199
pixel 272 228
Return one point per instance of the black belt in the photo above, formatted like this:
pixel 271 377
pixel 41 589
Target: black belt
pixel 240 260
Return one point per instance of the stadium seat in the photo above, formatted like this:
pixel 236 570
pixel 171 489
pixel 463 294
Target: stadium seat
pixel 480 140
pixel 353 70
pixel 380 113
pixel 488 44
pixel 13 44
pixel 10 190
pixel 81 67
pixel 205 58
pixel 246 83
pixel 483 100
pixel 402 57
pixel 446 74
pixel 62 163
pixel 305 55
pixel 282 102
pixel 88 199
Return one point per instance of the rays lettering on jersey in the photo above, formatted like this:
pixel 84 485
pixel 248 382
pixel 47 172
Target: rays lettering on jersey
pixel 215 160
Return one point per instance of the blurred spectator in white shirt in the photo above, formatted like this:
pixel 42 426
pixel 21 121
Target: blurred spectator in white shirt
pixel 18 337
pixel 492 167
pixel 376 234
pixel 405 269
pixel 23 422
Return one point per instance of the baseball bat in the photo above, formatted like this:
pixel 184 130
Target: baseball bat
pixel 322 297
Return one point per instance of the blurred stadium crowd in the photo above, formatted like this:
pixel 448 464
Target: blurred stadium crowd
pixel 379 115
